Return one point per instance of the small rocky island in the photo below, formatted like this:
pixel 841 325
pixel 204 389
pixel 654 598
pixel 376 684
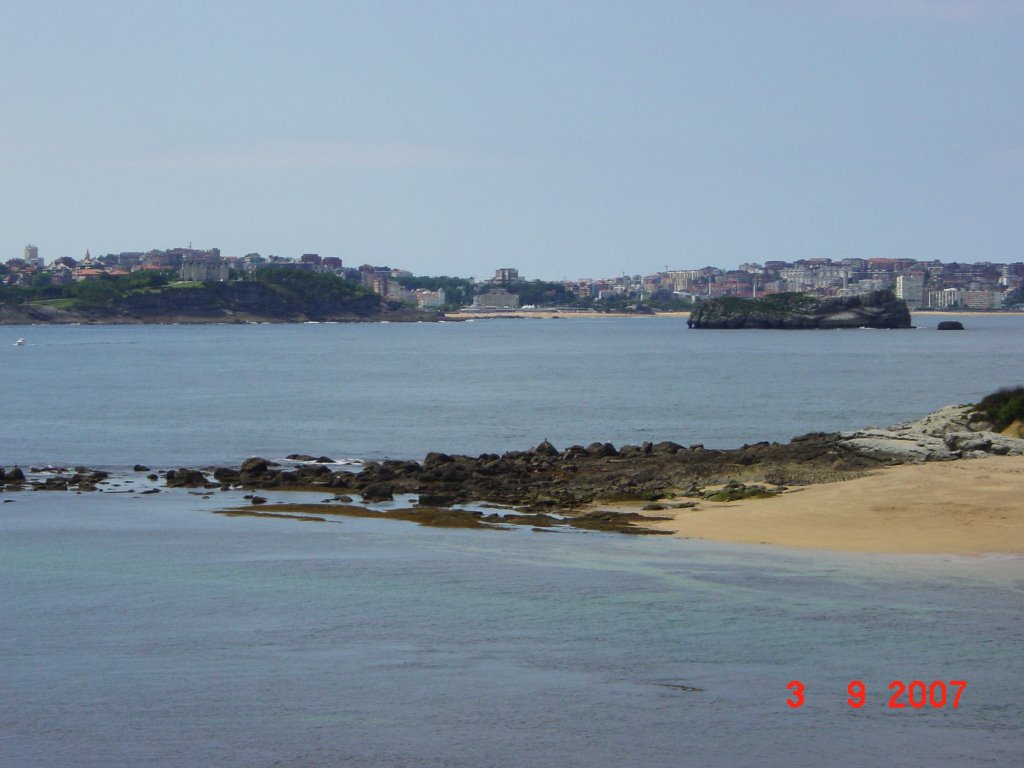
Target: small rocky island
pixel 879 309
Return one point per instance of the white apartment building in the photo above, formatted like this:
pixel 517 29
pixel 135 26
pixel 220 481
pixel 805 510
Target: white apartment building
pixel 983 299
pixel 910 288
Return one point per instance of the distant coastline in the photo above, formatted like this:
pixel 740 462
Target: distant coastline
pixel 208 291
pixel 272 296
pixel 35 314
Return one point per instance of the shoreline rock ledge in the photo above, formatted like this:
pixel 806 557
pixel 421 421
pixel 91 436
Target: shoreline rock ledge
pixel 953 432
pixel 879 309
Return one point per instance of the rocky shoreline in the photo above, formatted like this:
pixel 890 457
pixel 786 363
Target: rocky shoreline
pixel 41 314
pixel 546 487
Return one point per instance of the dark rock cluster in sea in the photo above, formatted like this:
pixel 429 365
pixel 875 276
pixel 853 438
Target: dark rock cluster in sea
pixel 545 484
pixel 545 478
pixel 52 478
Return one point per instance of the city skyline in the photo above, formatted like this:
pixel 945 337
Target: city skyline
pixel 979 285
pixel 568 139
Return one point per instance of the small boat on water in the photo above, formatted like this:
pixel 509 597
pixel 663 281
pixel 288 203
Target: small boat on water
pixel 19 343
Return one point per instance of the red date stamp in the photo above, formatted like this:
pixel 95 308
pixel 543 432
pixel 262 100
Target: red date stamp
pixel 918 694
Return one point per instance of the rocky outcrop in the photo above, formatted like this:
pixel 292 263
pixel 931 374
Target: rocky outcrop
pixel 52 478
pixel 247 300
pixel 954 432
pixel 950 325
pixel 187 478
pixel 880 309
pixel 547 480
pixel 31 314
pixel 235 302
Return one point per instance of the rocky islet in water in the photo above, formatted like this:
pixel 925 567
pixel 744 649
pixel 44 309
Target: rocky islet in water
pixel 798 311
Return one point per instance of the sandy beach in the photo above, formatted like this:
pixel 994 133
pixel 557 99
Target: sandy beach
pixel 968 313
pixel 545 314
pixel 541 314
pixel 967 507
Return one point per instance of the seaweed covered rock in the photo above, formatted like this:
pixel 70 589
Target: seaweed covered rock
pixel 187 478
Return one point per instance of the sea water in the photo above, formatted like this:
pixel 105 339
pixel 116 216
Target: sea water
pixel 217 393
pixel 146 630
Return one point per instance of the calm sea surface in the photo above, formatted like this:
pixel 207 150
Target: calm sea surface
pixel 199 394
pixel 147 631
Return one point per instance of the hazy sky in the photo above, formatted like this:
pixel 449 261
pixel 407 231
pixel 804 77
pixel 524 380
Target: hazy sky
pixel 567 139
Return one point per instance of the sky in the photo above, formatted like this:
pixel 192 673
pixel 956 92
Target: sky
pixel 566 139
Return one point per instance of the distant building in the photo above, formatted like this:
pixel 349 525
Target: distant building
pixel 280 262
pixel 910 288
pixel 253 261
pixel 160 259
pixel 944 299
pixel 61 274
pixel 496 300
pixel 88 273
pixel 430 299
pixel 32 257
pixel 505 276
pixel 855 265
pixel 129 259
pixel 311 258
pixel 204 270
pixel 173 258
pixel 983 299
pixel 376 279
pixel 395 292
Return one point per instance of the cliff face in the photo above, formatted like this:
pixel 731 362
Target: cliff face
pixel 244 298
pixel 880 309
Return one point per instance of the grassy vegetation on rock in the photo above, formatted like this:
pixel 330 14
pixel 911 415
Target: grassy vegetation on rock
pixel 1004 407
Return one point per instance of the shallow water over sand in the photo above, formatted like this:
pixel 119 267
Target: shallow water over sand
pixel 147 631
